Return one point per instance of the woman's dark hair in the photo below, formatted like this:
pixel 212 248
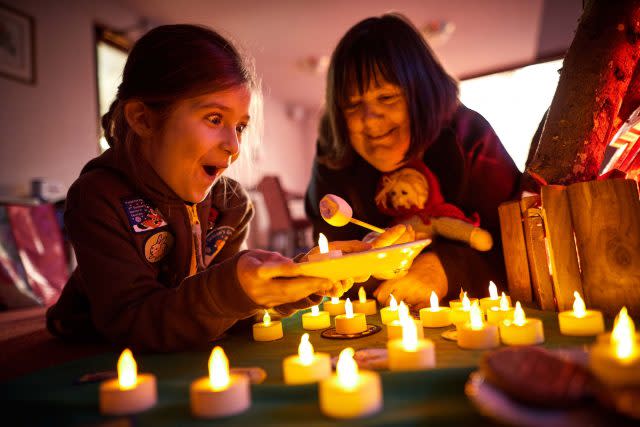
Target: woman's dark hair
pixel 174 62
pixel 391 46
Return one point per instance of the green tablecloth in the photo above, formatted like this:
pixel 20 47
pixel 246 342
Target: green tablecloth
pixel 431 397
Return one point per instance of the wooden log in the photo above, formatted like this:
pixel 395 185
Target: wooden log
pixel 606 219
pixel 562 248
pixel 515 252
pixel 535 241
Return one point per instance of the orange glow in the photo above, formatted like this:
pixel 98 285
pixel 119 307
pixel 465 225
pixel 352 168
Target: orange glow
pixel 519 317
pixel 466 303
pixel 504 302
pixel 409 335
pixel 362 295
pixel 305 350
pixel 579 309
pixel 347 369
pixel 127 370
pixel 323 243
pixel 315 311
pixel 348 309
pixel 334 300
pixel 393 304
pixel 266 319
pixel 218 370
pixel 433 300
pixel 476 316
pixel 493 291
pixel 623 337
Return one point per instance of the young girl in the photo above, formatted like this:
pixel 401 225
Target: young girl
pixel 156 231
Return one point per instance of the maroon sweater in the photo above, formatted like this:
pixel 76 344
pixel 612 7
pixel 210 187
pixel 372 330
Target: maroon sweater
pixel 133 241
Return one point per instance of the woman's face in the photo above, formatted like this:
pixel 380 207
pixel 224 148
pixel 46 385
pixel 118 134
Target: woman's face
pixel 198 140
pixel 379 125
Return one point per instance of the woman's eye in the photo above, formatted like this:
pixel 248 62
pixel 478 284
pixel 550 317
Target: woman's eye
pixel 387 98
pixel 241 127
pixel 215 119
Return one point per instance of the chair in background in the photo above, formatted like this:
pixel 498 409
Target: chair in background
pixel 282 226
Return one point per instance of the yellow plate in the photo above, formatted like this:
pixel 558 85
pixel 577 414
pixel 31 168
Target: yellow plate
pixel 358 264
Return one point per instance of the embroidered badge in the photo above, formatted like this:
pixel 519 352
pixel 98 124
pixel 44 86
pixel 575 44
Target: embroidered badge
pixel 215 240
pixel 158 245
pixel 142 216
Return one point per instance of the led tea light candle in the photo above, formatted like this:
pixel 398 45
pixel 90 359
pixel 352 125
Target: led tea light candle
pixel 475 334
pixel 334 307
pixel 220 394
pixel 410 352
pixel 350 393
pixel 580 321
pixel 363 305
pixel 394 328
pixel 130 392
pixel 306 366
pixel 389 313
pixel 493 300
pixel 617 363
pixel 435 316
pixel 495 315
pixel 267 330
pixel 350 322
pixel 460 303
pixel 520 330
pixel 325 253
pixel 316 319
pixel 462 314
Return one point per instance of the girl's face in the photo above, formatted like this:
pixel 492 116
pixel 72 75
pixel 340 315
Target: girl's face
pixel 198 140
pixel 379 125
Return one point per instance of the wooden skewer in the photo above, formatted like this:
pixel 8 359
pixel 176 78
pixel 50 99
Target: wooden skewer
pixel 365 225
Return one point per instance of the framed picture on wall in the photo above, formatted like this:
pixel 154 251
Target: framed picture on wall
pixel 17 50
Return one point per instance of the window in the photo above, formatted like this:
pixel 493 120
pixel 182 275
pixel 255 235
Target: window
pixel 514 102
pixel 111 55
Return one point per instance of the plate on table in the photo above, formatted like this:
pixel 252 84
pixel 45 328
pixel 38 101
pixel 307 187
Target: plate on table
pixel 365 263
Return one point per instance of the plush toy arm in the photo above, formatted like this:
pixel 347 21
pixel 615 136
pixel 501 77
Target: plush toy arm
pixel 456 229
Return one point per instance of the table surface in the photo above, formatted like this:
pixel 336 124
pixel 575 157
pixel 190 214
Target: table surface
pixel 52 396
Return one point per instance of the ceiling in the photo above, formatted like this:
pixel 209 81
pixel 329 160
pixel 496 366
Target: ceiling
pixel 488 35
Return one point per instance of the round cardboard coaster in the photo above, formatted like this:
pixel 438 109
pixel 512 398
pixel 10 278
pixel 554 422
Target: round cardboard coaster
pixel 450 334
pixel 332 334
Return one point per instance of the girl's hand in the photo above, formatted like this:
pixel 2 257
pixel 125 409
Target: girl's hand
pixel 271 279
pixel 346 246
pixel 425 275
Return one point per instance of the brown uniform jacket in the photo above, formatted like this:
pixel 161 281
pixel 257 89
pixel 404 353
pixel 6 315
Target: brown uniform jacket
pixel 133 240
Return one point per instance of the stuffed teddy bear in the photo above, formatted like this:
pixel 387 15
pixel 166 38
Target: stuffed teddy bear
pixel 412 196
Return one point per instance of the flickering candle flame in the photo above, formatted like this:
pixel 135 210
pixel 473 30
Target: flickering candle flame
pixel 493 291
pixel 393 304
pixel 466 303
pixel 127 370
pixel 305 350
pixel 504 303
pixel 475 316
pixel 347 369
pixel 348 309
pixel 218 369
pixel 362 295
pixel 462 294
pixel 433 299
pixel 409 335
pixel 519 317
pixel 334 300
pixel 579 309
pixel 623 336
pixel 323 243
pixel 266 319
pixel 403 312
pixel 315 310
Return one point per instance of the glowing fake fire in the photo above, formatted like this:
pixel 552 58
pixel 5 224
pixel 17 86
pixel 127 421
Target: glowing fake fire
pixel 127 370
pixel 475 316
pixel 433 299
pixel 305 350
pixel 403 312
pixel 315 310
pixel 466 302
pixel 347 369
pixel 266 319
pixel 462 294
pixel 493 291
pixel 334 300
pixel 218 369
pixel 409 334
pixel 362 295
pixel 519 317
pixel 393 304
pixel 323 243
pixel 579 309
pixel 504 302
pixel 348 309
pixel 623 336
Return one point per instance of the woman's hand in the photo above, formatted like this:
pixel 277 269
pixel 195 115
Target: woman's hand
pixel 425 275
pixel 395 235
pixel 346 246
pixel 271 279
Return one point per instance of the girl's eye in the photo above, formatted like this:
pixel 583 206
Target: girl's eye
pixel 241 127
pixel 215 119
pixel 388 98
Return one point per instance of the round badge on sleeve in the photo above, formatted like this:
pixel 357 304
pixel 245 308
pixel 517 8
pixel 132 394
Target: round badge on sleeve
pixel 158 245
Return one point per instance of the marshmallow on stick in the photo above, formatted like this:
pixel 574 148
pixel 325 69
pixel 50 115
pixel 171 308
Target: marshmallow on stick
pixel 337 212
